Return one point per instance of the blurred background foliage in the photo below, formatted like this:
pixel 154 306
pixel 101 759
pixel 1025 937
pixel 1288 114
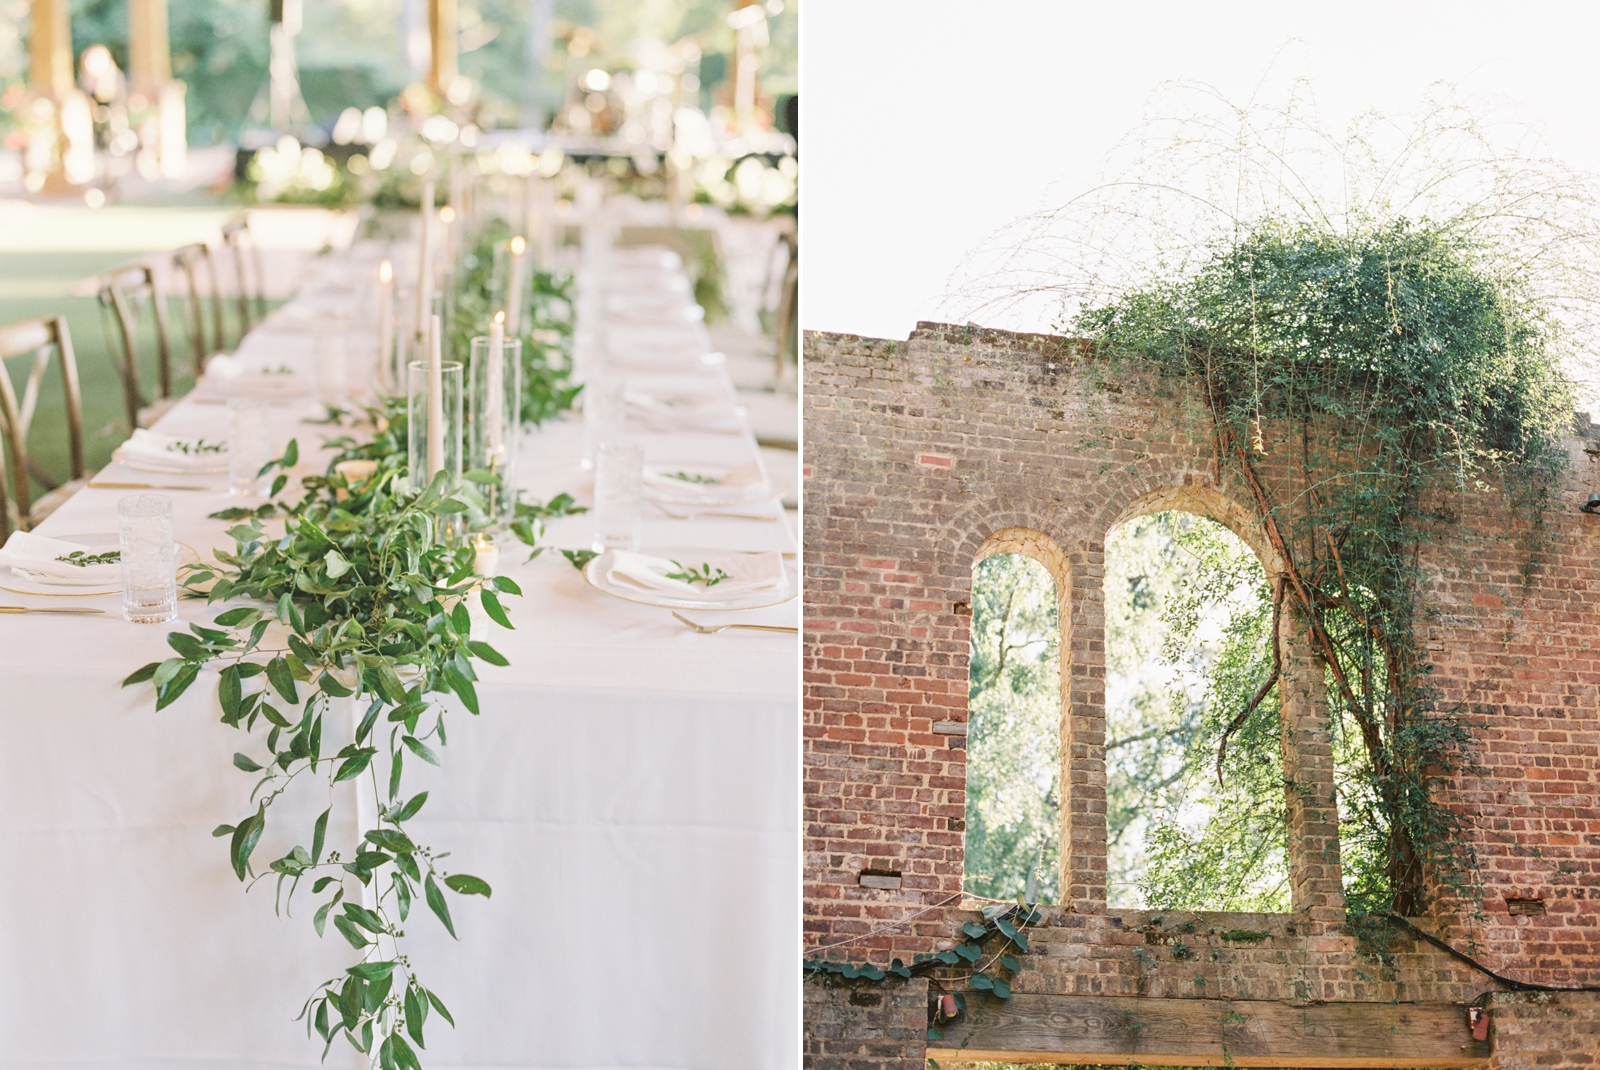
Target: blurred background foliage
pixel 353 52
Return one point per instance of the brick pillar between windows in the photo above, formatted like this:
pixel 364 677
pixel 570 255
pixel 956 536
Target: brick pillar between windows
pixel 1315 876
pixel 1083 736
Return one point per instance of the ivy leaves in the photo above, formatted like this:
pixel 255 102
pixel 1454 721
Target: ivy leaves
pixel 1005 923
pixel 358 601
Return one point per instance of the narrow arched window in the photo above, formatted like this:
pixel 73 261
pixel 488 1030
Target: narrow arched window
pixel 1013 833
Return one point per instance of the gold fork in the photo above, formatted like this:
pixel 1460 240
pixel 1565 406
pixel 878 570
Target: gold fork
pixel 715 628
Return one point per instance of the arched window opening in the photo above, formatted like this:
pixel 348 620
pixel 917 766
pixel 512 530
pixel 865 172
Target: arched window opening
pixel 1013 831
pixel 1189 619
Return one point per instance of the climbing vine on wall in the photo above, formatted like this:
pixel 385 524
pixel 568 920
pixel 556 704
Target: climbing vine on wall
pixel 1390 369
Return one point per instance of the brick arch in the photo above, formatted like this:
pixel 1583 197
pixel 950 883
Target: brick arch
pixel 1030 543
pixel 1209 502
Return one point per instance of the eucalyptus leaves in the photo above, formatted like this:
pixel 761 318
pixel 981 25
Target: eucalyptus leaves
pixel 984 955
pixel 356 606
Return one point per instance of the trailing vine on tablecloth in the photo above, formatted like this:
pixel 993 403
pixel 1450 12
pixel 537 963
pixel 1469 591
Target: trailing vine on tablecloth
pixel 363 598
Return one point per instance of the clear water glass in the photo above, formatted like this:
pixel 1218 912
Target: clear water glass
pixel 494 423
pixel 605 414
pixel 249 444
pixel 149 558
pixel 618 496
pixel 333 373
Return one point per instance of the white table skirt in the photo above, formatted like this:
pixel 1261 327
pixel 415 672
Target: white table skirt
pixel 630 791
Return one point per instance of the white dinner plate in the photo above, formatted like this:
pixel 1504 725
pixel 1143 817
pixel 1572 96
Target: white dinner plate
pixel 43 587
pixel 594 573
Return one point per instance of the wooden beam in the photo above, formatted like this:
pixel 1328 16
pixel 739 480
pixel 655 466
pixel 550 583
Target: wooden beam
pixel 442 37
pixel 1209 1032
pixel 50 50
pixel 149 50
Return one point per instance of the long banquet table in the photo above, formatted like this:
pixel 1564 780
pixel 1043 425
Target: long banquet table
pixel 630 791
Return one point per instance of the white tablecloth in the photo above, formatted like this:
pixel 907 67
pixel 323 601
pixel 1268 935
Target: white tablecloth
pixel 630 791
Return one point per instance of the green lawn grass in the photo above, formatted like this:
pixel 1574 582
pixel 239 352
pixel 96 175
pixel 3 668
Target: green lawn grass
pixel 105 417
pixel 46 256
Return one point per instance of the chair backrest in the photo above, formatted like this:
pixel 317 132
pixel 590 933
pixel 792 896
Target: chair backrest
pixel 190 261
pixel 247 270
pixel 124 291
pixel 37 337
pixel 786 338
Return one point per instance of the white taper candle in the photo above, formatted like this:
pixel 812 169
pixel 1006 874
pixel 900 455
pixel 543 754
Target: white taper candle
pixel 435 399
pixel 495 390
pixel 386 325
pixel 425 264
pixel 514 301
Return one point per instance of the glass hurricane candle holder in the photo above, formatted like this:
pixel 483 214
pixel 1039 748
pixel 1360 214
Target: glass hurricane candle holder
pixel 494 421
pixel 433 425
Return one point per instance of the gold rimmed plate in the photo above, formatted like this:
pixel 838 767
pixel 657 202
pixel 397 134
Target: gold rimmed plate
pixel 594 574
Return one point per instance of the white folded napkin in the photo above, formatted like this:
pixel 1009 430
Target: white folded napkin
pixel 743 484
pixel 650 309
pixel 677 343
pixel 41 556
pixel 647 281
pixel 746 574
pixel 152 449
pixel 235 377
pixel 678 413
pixel 653 257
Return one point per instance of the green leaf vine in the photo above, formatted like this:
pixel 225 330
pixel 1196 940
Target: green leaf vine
pixel 547 323
pixel 363 598
pixel 984 958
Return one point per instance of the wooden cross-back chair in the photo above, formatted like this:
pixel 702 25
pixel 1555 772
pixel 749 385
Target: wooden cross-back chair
pixel 190 261
pixel 787 344
pixel 124 292
pixel 251 294
pixel 38 337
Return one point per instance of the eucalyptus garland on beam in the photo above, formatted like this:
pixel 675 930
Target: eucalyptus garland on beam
pixel 1401 369
pixel 357 600
pixel 991 976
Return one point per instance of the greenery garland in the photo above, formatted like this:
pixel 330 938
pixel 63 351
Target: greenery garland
pixel 357 600
pixel 992 976
pixel 1401 372
pixel 364 599
pixel 546 325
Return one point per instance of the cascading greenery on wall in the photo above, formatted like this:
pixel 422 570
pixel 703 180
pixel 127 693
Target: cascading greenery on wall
pixel 1393 369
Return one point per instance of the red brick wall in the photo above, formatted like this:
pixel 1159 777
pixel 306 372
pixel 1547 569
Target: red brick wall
pixel 917 452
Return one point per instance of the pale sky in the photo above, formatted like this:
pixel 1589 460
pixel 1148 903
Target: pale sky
pixel 930 124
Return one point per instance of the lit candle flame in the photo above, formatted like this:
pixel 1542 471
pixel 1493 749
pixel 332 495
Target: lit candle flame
pixel 500 317
pixel 518 245
pixel 385 272
pixel 447 215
